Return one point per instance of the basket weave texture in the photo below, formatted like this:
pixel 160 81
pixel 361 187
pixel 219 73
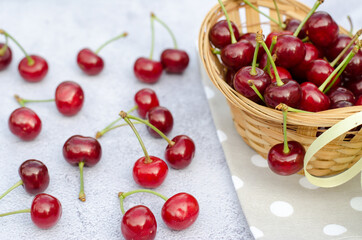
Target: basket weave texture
pixel 260 126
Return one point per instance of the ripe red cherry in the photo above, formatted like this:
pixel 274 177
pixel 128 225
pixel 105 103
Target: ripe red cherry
pixel 290 51
pixel 286 163
pixel 24 123
pixel 322 30
pixel 180 211
pixel 161 118
pixel 147 70
pixel 219 34
pixel 354 67
pixel 145 99
pixel 283 73
pixel 359 101
pixel 34 175
pixel 69 98
pixel 355 86
pixel 174 60
pixel 237 55
pixel 34 72
pixel 261 81
pixel 180 154
pixel 300 71
pixel 251 37
pixel 292 25
pixel 313 100
pixel 5 56
pixel 139 223
pixel 337 47
pixel 45 211
pixel 341 104
pixel 269 38
pixel 90 62
pixel 290 93
pixel 82 149
pixel 150 174
pixel 318 72
pixel 341 94
pixel 229 77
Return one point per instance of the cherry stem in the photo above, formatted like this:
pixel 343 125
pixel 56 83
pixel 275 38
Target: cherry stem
pixel 101 133
pixel 345 61
pixel 167 28
pixel 31 61
pixel 252 85
pixel 125 116
pixel 109 41
pixel 267 66
pixel 171 143
pixel 23 101
pixel 350 33
pixel 286 148
pixel 81 192
pixel 233 39
pixel 12 188
pixel 122 196
pixel 278 13
pixel 255 57
pixel 5 47
pixel 340 55
pixel 215 51
pixel 281 25
pixel 152 36
pixel 259 38
pixel 314 8
pixel 15 212
pixel 281 106
pixel 306 39
pixel 110 126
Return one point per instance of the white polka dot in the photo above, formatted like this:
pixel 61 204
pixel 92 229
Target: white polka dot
pixel 238 183
pixel 257 233
pixel 259 161
pixel 281 209
pixel 334 230
pixel 306 184
pixel 222 136
pixel 209 92
pixel 356 203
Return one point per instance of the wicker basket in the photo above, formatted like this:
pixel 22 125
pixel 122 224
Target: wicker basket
pixel 261 127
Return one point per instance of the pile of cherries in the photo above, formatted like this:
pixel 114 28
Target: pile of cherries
pixel 307 66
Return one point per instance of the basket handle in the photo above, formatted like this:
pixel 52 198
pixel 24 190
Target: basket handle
pixel 332 133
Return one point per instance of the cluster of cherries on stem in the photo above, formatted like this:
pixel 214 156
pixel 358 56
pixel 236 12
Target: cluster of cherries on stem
pixel 326 66
pixel 292 70
pixel 173 60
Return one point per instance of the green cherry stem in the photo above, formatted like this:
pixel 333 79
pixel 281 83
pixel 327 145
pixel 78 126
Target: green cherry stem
pixel 252 85
pixel 282 25
pixel 259 38
pixel 350 33
pixel 81 191
pixel 286 148
pixel 233 39
pixel 125 116
pixel 152 36
pixel 110 40
pixel 99 134
pixel 278 13
pixel 171 143
pixel 167 28
pixel 12 188
pixel 336 70
pixel 23 101
pixel 31 61
pixel 215 51
pixel 5 47
pixel 15 212
pixel 253 65
pixel 340 55
pixel 314 8
pixel 281 106
pixel 122 196
pixel 306 39
pixel 271 48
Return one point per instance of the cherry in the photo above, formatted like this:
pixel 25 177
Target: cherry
pixel 286 158
pixel 237 55
pixel 318 72
pixel 269 38
pixel 322 30
pixel 289 93
pixel 147 70
pixel 180 154
pixel 354 67
pixel 313 99
pixel 292 24
pixel 69 98
pixel 355 86
pixel 139 223
pixel 145 99
pixel 283 74
pixel 341 94
pixel 229 77
pixel 82 151
pixel 337 47
pixel 161 118
pixel 24 123
pixel 341 104
pixel 359 101
pixel 34 177
pixel 5 56
pixel 251 38
pixel 90 62
pixel 45 211
pixel 180 211
pixel 219 34
pixel 290 51
pixel 150 173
